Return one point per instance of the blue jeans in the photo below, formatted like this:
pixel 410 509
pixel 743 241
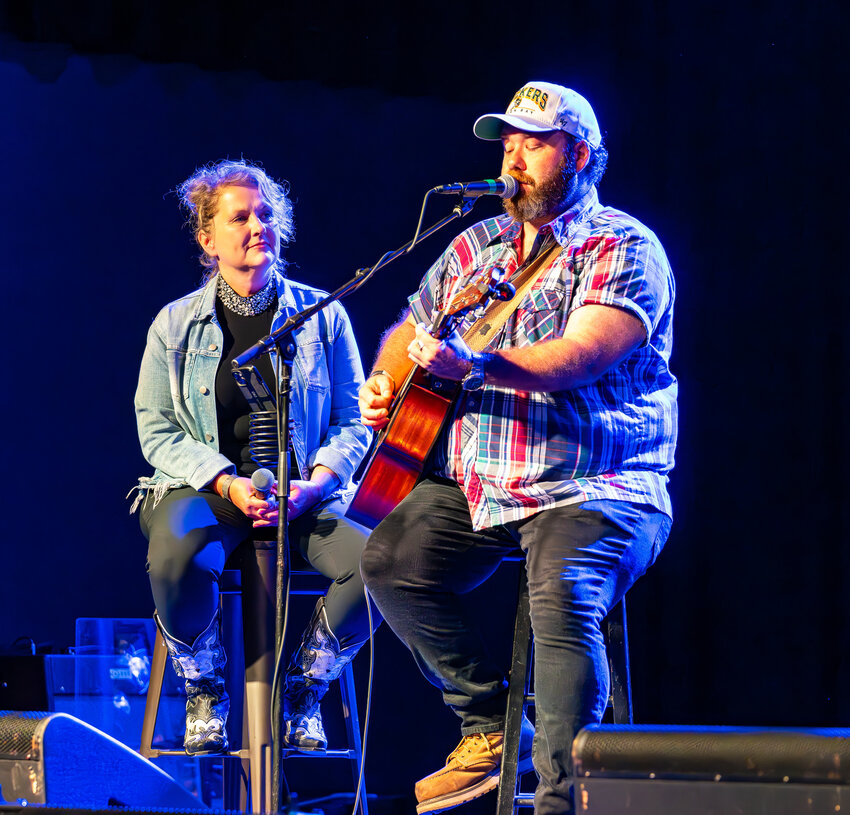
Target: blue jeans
pixel 580 561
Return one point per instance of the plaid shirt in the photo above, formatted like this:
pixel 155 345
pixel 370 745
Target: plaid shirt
pixel 514 452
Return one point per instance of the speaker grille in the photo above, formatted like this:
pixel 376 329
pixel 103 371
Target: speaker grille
pixel 17 733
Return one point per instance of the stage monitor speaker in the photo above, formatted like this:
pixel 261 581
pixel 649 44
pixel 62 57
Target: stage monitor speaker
pixel 647 769
pixel 57 760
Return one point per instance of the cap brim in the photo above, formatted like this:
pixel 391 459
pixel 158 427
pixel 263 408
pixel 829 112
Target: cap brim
pixel 489 127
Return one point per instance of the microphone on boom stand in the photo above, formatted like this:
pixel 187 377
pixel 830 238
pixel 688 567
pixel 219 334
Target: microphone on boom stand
pixel 505 186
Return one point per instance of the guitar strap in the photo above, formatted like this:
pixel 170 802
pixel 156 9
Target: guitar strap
pixel 488 324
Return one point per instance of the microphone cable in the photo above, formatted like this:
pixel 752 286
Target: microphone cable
pixel 365 735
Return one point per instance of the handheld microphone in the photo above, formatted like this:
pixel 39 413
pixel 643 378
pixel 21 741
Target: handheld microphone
pixel 505 186
pixel 262 482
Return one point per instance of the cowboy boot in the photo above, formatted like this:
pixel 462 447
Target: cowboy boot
pixel 201 665
pixel 316 663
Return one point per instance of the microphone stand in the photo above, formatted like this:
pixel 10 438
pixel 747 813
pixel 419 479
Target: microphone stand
pixel 281 338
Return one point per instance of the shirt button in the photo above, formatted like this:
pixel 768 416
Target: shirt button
pixel 204 390
pixel 209 437
pixel 213 347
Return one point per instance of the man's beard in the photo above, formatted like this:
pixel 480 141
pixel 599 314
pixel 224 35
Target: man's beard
pixel 549 197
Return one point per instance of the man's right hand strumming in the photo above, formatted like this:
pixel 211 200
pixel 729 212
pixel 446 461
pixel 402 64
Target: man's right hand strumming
pixel 388 373
pixel 375 398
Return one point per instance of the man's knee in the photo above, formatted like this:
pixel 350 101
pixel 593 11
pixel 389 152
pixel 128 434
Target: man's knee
pixel 377 563
pixel 390 555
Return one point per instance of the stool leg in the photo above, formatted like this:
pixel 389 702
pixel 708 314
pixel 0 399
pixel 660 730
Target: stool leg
pixel 234 772
pixel 258 697
pixel 517 688
pixel 258 595
pixel 352 726
pixel 618 661
pixel 158 661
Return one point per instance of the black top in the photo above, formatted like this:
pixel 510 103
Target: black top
pixel 240 333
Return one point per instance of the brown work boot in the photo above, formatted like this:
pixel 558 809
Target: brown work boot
pixel 471 770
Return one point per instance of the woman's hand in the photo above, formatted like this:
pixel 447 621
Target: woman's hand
pixel 262 513
pixel 303 495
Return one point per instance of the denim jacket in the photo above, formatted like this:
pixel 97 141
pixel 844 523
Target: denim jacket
pixel 175 399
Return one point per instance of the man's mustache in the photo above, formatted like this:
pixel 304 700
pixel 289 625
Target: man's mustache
pixel 521 177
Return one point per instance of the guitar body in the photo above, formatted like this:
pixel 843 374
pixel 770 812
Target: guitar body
pixel 419 412
pixel 403 447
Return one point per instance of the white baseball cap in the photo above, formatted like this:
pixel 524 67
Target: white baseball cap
pixel 541 106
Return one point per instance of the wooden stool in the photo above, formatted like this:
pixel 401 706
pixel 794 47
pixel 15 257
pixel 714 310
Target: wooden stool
pixel 520 696
pixel 250 664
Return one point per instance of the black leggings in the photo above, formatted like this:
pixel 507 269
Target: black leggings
pixel 191 534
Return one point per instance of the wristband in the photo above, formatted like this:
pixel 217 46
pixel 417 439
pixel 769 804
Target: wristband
pixel 225 485
pixel 385 373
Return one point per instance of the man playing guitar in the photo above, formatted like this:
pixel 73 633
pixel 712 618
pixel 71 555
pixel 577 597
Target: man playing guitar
pixel 559 444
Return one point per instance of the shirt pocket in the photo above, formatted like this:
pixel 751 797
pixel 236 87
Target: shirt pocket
pixel 541 315
pixel 181 364
pixel 312 363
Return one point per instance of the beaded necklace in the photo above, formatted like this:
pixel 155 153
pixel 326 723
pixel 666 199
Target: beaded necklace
pixel 248 306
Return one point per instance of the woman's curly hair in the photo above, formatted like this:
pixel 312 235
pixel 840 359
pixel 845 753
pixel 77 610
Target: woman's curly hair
pixel 199 195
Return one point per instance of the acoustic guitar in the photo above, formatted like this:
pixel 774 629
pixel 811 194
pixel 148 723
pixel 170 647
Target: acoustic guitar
pixel 418 414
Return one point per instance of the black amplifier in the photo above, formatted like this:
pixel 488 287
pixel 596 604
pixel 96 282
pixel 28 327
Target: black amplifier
pixel 648 769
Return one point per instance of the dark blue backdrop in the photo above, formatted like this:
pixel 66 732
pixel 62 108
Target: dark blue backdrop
pixel 722 129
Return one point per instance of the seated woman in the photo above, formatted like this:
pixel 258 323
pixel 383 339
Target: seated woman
pixel 193 425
